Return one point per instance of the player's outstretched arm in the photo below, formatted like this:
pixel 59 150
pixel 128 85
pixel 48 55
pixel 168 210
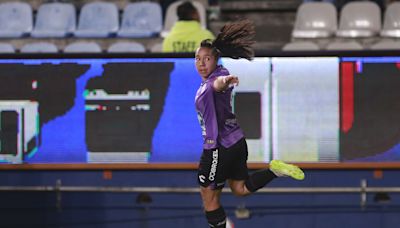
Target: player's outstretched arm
pixel 224 82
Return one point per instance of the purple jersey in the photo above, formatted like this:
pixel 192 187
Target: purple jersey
pixel 214 111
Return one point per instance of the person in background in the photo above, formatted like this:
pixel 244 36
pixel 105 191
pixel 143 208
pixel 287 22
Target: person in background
pixel 187 33
pixel 224 156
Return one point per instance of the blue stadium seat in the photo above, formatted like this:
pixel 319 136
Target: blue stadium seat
pixel 39 47
pixel 141 19
pixel 15 19
pixel 121 47
pixel 55 20
pixel 82 47
pixel 98 19
pixel 6 48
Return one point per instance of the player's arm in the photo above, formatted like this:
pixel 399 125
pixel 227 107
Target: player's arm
pixel 224 82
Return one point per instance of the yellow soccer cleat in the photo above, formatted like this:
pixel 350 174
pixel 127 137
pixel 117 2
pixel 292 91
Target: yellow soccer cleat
pixel 280 168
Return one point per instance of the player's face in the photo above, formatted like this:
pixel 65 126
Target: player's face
pixel 206 62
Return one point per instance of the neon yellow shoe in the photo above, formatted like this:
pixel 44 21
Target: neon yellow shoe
pixel 280 168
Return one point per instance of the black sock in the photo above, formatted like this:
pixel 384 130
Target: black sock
pixel 259 179
pixel 216 218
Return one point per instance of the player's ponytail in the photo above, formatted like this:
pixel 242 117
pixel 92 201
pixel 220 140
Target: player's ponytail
pixel 235 40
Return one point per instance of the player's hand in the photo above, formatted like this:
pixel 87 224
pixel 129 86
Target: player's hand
pixel 231 80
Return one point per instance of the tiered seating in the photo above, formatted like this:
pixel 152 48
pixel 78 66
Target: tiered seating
pixel 96 20
pixel 318 26
pixel 359 21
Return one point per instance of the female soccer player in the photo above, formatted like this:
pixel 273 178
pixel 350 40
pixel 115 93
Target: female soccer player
pixel 225 150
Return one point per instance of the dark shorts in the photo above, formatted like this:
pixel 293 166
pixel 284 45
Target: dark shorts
pixel 218 165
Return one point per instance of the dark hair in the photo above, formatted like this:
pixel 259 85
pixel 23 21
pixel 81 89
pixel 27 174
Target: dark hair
pixel 186 11
pixel 235 40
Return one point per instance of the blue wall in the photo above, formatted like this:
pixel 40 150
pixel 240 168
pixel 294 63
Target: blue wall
pixel 38 209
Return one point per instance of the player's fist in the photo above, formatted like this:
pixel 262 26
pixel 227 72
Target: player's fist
pixel 231 80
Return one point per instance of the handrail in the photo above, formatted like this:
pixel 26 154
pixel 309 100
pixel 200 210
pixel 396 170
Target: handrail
pixel 58 189
pixel 193 166
pixel 194 189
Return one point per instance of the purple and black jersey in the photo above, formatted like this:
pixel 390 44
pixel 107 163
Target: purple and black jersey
pixel 214 110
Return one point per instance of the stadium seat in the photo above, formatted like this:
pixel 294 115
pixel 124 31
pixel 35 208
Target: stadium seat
pixel 171 16
pixel 6 48
pixel 344 45
pixel 55 20
pixel 39 47
pixel 141 19
pixel 98 19
pixel 82 47
pixel 301 46
pixel 156 47
pixel 391 23
pixel 359 19
pixel 386 45
pixel 315 20
pixel 15 19
pixel 121 47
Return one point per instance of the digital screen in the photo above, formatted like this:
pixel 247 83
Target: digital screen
pixel 305 109
pixel 141 110
pixel 370 109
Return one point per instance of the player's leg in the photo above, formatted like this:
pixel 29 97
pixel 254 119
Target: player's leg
pixel 260 178
pixel 211 179
pixel 239 180
pixel 254 182
pixel 215 213
pixel 242 184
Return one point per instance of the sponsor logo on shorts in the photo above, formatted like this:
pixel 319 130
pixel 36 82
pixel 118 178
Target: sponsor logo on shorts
pixel 214 164
pixel 202 178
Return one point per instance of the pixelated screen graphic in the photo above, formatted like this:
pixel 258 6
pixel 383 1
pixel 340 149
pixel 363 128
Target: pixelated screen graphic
pixel 89 108
pixel 251 103
pixel 305 109
pixel 141 110
pixel 370 109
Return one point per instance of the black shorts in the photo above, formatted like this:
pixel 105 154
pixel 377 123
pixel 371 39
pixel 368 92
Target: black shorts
pixel 218 165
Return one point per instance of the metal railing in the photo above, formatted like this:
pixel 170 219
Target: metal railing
pixel 363 190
